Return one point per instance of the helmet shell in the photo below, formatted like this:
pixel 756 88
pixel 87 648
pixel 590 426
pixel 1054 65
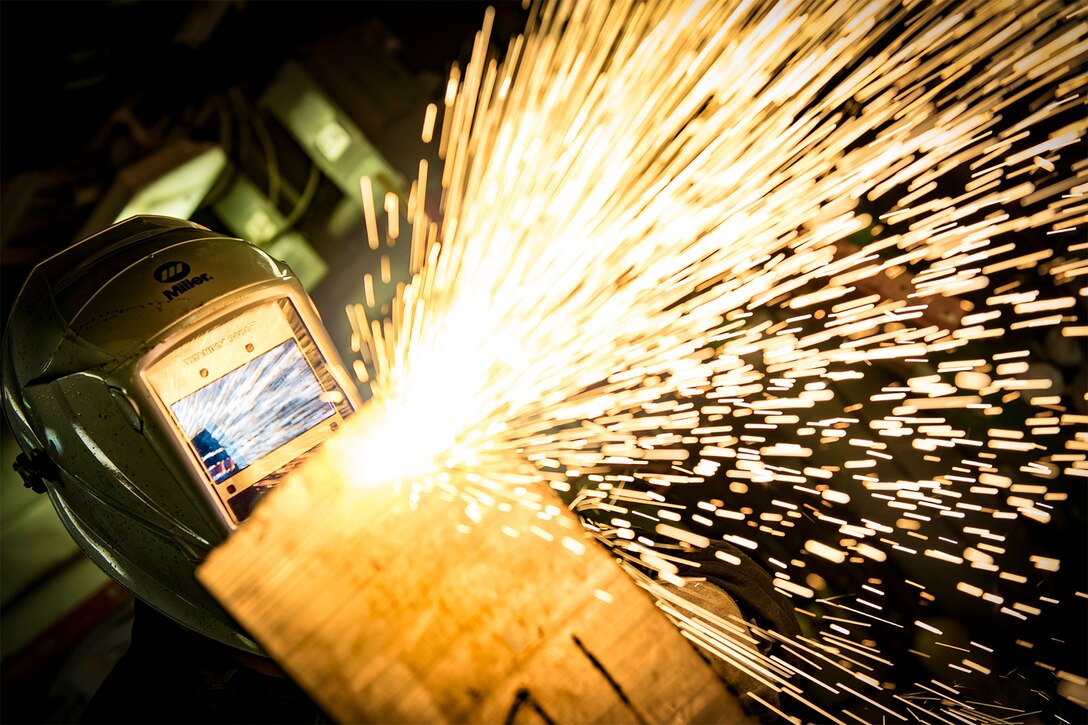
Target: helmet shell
pixel 79 334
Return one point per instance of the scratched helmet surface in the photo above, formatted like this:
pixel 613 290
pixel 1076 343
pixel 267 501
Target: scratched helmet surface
pixel 160 378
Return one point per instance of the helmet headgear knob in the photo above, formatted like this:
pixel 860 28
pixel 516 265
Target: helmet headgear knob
pixel 35 469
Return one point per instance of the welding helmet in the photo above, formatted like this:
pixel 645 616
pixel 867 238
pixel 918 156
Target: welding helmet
pixel 160 378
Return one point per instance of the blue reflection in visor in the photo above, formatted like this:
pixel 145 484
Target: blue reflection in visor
pixel 252 410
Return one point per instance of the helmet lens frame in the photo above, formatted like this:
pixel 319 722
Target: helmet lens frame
pixel 245 399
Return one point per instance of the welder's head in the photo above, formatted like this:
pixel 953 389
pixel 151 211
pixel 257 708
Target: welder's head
pixel 160 378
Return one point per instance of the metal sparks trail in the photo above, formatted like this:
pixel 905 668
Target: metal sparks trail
pixel 807 277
